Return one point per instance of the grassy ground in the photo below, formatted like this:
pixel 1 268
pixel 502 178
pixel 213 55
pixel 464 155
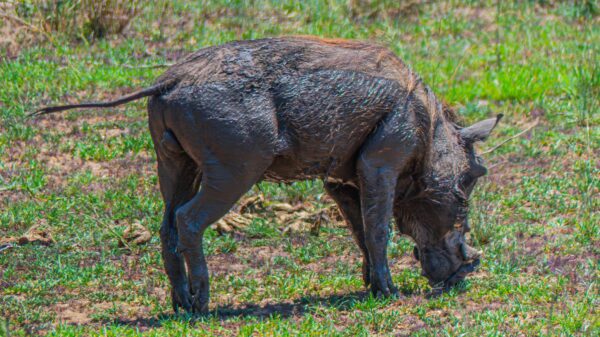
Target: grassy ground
pixel 83 177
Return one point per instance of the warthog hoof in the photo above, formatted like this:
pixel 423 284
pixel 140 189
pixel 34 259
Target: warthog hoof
pixel 382 286
pixel 191 303
pixel 199 304
pixel 181 299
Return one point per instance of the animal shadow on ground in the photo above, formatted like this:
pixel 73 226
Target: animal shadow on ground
pixel 296 308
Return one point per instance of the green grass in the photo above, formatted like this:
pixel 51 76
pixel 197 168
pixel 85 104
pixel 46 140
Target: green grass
pixel 84 176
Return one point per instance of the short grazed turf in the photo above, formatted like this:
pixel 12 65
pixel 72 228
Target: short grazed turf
pixel 83 176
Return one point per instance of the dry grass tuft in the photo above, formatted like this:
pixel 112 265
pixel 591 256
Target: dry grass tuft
pixel 28 23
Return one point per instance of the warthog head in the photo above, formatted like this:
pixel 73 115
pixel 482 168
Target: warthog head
pixel 433 205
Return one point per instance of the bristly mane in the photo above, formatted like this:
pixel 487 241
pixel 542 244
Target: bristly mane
pixel 443 165
pixel 445 155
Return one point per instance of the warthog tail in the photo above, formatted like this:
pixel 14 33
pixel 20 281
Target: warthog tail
pixel 150 91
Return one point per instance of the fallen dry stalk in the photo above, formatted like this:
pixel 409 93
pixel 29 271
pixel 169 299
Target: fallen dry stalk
pixel 531 126
pixel 137 234
pixel 147 66
pixel 5 246
pixel 33 235
pixel 27 25
pixel 231 222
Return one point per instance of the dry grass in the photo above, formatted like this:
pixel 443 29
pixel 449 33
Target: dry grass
pixel 27 23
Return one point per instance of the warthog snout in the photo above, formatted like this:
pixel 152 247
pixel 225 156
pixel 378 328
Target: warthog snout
pixel 471 258
pixel 461 273
pixel 445 271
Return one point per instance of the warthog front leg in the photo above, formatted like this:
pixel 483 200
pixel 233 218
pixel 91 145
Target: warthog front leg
pixel 377 197
pixel 384 156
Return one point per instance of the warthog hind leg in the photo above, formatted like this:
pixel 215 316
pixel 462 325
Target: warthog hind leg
pixel 348 200
pixel 222 185
pixel 179 178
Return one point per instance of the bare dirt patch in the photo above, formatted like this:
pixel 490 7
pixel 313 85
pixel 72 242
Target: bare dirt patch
pixel 74 312
pixel 82 311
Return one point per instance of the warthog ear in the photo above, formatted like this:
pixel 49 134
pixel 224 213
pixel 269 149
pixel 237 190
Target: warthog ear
pixel 480 130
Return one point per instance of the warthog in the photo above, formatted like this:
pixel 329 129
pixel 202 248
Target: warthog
pixel 287 109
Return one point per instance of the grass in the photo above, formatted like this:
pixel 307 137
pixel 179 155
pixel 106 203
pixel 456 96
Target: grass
pixel 84 176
